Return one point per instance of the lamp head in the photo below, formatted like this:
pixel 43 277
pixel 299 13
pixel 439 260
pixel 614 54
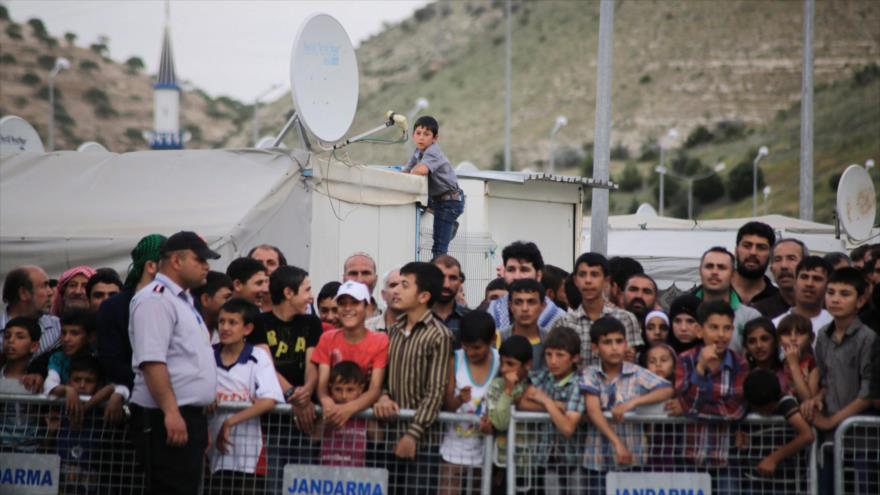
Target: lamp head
pixel 421 103
pixel 763 151
pixel 869 164
pixel 61 63
pixel 766 191
pixel 720 166
pixel 660 169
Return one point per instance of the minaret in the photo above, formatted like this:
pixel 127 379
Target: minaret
pixel 166 98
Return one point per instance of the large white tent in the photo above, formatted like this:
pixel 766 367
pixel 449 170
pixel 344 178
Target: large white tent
pixel 65 208
pixel 670 248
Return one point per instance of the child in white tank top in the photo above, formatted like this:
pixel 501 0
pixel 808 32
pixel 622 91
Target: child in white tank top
pixel 471 370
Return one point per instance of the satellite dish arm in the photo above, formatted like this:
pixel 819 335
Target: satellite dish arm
pixel 392 119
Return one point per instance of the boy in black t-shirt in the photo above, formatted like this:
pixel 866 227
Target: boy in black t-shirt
pixel 290 335
pixel 764 395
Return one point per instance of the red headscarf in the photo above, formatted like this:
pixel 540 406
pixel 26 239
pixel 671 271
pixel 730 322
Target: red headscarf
pixel 58 300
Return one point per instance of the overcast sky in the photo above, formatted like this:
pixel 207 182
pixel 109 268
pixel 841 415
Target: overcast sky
pixel 235 48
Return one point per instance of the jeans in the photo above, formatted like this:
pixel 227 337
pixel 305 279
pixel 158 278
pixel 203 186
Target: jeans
pixel 445 214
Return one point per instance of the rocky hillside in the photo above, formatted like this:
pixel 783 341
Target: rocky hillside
pixel 98 99
pixel 677 64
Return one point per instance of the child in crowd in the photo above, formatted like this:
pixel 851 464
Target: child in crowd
pixel 345 445
pixel 709 389
pixel 526 305
pixel 352 341
pixel 683 313
pixel 327 309
pixel 843 353
pixel 78 441
pixel 507 390
pixel 656 328
pixel 662 360
pixel 496 288
pixel 764 395
pixel 555 390
pixel 18 422
pixel 244 374
pixel 795 334
pixel 471 370
pixel 619 387
pixel 762 348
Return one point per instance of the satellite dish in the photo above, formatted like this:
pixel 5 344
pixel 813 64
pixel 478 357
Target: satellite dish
pixel 324 78
pixel 856 202
pixel 646 210
pixel 16 135
pixel 267 142
pixel 92 147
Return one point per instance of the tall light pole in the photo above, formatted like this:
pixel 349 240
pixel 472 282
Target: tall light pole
pixel 762 152
pixel 602 133
pixel 61 63
pixel 806 179
pixel 508 61
pixel 661 169
pixel 766 197
pixel 420 104
pixel 561 122
pixel 256 129
pixel 690 182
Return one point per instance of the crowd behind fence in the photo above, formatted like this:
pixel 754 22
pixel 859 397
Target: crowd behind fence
pixel 531 457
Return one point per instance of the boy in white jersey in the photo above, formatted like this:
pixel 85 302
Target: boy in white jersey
pixel 244 374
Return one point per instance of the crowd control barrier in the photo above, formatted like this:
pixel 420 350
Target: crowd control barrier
pixel 857 456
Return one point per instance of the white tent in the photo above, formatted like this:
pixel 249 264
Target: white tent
pixel 63 209
pixel 670 248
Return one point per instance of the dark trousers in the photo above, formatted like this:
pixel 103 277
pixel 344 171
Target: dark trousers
pixel 445 215
pixel 170 470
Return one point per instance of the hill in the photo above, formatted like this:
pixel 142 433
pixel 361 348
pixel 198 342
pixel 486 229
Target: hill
pixel 677 64
pixel 97 99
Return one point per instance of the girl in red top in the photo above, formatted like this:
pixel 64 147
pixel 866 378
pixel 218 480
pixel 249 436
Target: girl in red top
pixel 795 338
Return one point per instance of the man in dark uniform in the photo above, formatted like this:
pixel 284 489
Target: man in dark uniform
pixel 175 375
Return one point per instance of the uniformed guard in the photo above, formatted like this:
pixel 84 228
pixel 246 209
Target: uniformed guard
pixel 175 376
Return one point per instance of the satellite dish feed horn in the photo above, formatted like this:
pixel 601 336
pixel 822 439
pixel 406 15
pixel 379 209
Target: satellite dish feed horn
pixel 856 203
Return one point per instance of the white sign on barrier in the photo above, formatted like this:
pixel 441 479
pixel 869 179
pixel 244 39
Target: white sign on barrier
pixel 626 483
pixel 31 474
pixel 303 479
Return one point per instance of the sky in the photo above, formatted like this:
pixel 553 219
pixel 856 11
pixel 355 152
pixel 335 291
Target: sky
pixel 225 47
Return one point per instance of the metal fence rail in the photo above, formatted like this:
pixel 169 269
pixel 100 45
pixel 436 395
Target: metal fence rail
pixel 857 456
pixel 546 461
pixel 96 458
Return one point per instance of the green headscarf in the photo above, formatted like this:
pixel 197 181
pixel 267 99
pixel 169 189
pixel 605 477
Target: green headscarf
pixel 147 249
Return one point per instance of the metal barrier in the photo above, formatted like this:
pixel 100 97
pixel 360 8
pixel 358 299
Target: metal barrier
pixel 100 459
pixel 546 461
pixel 857 456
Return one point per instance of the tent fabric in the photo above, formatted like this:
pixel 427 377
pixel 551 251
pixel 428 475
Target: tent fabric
pixel 65 208
pixel 670 248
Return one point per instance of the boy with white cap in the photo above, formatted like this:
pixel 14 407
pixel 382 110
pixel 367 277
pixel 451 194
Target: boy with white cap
pixel 353 341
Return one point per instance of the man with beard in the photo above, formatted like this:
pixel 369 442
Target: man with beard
pixel 784 259
pixel 716 272
pixel 753 242
pixel 809 293
pixel 640 296
pixel 621 269
pixel 71 291
pixel 445 308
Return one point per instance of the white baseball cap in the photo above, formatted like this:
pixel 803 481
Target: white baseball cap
pixel 354 289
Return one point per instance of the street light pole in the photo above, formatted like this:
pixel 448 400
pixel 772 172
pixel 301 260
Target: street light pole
pixel 560 122
pixel 766 197
pixel 661 169
pixel 762 152
pixel 690 182
pixel 507 70
pixel 60 64
pixel 256 130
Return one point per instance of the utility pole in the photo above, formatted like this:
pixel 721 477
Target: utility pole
pixel 806 182
pixel 602 141
pixel 507 70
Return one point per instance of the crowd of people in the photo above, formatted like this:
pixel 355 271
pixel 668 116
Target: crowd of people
pixel 174 338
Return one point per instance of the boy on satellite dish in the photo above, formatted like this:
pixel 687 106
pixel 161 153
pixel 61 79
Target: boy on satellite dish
pixel 446 199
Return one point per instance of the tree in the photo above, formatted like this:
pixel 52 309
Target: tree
pixel 630 180
pixel 4 13
pixel 135 65
pixel 739 182
pixel 38 28
pixel 70 38
pixel 698 136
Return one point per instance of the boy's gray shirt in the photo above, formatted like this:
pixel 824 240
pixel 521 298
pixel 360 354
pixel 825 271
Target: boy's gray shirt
pixel 442 177
pixel 845 367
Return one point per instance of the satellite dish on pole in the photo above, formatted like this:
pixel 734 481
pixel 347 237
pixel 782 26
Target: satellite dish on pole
pixel 324 78
pixel 646 210
pixel 92 147
pixel 16 135
pixel 856 202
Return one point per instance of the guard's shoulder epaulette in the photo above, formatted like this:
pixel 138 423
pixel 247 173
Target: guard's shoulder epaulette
pixel 159 288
